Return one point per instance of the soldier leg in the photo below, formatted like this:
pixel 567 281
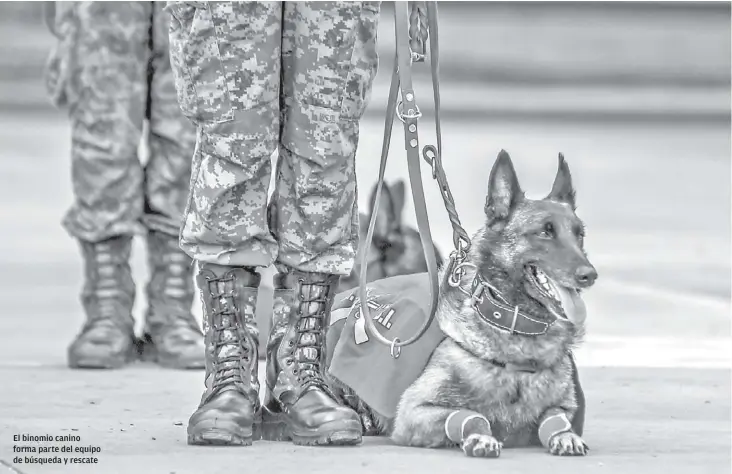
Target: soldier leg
pixel 172 335
pixel 225 58
pixel 329 61
pixel 107 83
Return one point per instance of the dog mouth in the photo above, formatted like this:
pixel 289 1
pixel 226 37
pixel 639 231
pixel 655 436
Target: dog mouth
pixel 563 302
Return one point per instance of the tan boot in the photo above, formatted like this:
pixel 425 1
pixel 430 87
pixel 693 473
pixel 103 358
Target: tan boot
pixel 298 404
pixel 107 339
pixel 172 336
pixel 230 404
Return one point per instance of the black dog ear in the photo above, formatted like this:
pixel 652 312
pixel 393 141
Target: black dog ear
pixel 504 191
pixel 562 190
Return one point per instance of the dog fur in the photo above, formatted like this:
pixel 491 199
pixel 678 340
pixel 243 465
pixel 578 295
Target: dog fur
pixel 518 231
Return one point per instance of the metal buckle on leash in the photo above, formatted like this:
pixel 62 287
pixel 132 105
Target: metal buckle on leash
pixel 414 113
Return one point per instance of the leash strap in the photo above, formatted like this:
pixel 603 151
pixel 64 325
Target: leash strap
pixel 402 82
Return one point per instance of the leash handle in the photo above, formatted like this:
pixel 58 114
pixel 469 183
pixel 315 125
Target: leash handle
pixel 402 82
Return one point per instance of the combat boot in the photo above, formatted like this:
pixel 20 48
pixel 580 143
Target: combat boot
pixel 107 339
pixel 230 403
pixel 299 405
pixel 172 335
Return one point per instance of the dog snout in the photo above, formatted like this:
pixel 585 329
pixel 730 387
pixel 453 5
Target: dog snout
pixel 585 275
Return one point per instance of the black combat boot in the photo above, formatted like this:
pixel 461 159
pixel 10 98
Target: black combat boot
pixel 172 335
pixel 107 339
pixel 298 404
pixel 230 403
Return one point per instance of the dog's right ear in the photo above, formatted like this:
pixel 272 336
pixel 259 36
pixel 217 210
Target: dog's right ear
pixel 504 191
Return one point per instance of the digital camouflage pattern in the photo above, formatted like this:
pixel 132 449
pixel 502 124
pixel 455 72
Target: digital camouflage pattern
pixel 260 77
pixel 111 70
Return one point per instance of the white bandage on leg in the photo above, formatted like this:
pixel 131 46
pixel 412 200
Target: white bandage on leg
pixel 456 421
pixel 552 425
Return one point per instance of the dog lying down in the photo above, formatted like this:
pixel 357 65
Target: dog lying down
pixel 496 369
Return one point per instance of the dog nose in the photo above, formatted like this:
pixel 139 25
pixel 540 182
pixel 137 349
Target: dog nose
pixel 585 275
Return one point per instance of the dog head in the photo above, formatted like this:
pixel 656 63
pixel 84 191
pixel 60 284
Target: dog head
pixel 536 245
pixel 532 252
pixel 387 242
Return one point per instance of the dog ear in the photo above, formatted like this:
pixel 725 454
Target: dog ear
pixel 562 189
pixel 504 191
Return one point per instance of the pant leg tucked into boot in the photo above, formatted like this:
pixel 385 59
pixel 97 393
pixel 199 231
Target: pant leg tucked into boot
pixel 299 405
pixel 172 335
pixel 106 340
pixel 230 404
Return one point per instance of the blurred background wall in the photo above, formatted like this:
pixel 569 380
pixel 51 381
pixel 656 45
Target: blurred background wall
pixel 644 46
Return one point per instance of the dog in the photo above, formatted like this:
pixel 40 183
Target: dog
pixel 396 248
pixel 497 370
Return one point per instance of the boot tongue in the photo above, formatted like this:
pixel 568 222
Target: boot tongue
pixel 572 304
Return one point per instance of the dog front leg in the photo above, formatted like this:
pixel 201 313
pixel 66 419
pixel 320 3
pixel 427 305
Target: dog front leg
pixel 433 426
pixel 555 434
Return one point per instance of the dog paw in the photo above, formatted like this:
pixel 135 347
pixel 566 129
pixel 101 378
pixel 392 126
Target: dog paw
pixel 568 444
pixel 482 446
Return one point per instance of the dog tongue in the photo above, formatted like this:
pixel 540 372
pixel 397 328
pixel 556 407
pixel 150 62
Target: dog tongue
pixel 572 304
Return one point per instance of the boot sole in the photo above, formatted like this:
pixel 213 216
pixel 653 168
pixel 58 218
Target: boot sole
pixel 275 427
pixel 216 433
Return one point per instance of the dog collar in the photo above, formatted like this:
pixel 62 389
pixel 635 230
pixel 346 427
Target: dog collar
pixel 484 299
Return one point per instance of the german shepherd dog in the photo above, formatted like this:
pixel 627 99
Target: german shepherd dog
pixel 395 248
pixel 483 383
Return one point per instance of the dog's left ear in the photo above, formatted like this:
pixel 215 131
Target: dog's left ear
pixel 562 190
pixel 504 191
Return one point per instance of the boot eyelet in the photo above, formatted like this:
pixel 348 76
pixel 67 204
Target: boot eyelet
pixel 290 343
pixel 288 362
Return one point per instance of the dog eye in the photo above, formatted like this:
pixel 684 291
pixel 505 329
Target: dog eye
pixel 547 231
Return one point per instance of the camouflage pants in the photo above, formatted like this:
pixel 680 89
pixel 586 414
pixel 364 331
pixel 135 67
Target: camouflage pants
pixel 111 70
pixel 260 77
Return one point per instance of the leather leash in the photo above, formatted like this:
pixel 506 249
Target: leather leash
pixel 401 84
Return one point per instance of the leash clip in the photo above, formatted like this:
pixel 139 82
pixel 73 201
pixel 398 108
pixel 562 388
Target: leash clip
pixel 395 350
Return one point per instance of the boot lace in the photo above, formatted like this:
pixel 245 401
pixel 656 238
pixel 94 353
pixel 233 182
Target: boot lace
pixel 309 371
pixel 176 285
pixel 226 317
pixel 106 288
